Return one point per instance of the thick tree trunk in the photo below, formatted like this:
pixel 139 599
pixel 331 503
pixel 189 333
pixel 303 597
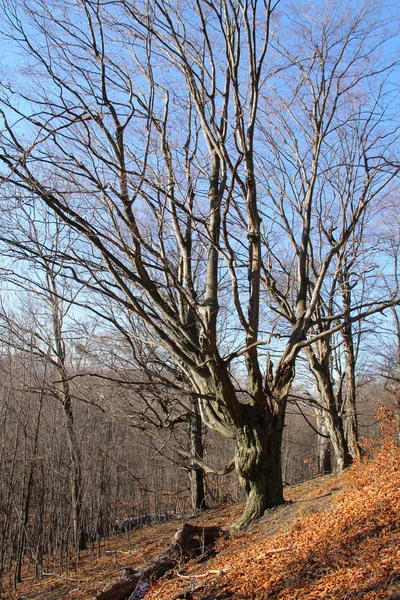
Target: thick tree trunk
pixel 257 428
pixel 259 464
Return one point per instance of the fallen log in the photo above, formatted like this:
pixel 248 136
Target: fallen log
pixel 188 542
pixel 135 584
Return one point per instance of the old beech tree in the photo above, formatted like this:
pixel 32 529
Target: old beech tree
pixel 140 125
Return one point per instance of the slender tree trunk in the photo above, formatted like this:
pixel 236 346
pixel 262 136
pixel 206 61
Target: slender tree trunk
pixel 341 456
pixel 25 513
pixel 349 410
pixel 350 427
pixel 324 445
pixel 66 401
pixel 196 451
pixel 75 470
pixel 332 419
pixel 396 397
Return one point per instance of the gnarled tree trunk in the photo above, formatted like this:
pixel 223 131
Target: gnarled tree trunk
pixel 257 427
pixel 258 462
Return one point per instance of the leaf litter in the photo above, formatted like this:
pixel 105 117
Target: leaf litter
pixel 337 537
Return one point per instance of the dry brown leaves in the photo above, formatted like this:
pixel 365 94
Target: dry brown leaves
pixel 349 550
pixel 339 538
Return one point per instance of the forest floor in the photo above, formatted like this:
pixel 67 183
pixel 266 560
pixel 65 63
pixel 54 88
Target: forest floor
pixel 336 538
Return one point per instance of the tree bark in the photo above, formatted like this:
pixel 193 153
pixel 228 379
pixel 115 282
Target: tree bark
pixel 351 428
pixel 258 462
pixel 341 456
pixel 64 394
pixel 324 445
pixel 332 418
pixel 197 452
pixel 257 428
pixel 348 411
pixel 75 471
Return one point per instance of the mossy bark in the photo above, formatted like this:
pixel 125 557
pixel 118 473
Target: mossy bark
pixel 259 465
pixel 256 427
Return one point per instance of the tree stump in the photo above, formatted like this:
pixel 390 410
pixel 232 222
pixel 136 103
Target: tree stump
pixel 188 542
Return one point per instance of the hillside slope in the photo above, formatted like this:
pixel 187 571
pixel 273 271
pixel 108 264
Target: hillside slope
pixel 342 545
pixel 336 538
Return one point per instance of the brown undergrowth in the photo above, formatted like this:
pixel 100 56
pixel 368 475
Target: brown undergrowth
pixel 337 538
pixel 343 544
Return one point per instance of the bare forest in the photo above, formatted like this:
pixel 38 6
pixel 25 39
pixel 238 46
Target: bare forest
pixel 199 260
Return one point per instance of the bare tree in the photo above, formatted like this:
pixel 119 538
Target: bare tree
pixel 44 335
pixel 148 142
pixel 327 173
pixel 389 343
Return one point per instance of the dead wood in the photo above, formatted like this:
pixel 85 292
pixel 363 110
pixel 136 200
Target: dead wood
pixel 190 538
pixel 188 542
pixel 274 551
pixel 188 594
